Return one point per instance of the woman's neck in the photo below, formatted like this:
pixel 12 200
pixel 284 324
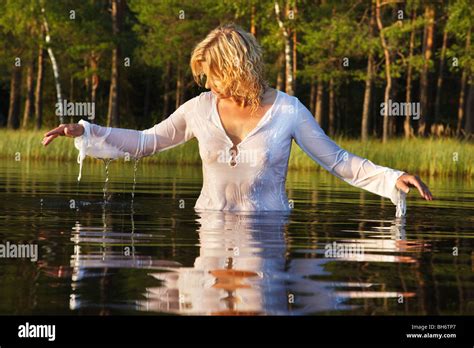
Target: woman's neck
pixel 243 104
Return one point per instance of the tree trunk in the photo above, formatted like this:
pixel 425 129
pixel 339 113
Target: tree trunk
pixel 424 81
pixel 375 115
pixel 288 68
pixel 392 121
pixel 39 89
pixel 461 103
pixel 54 65
pixel 71 88
pixel 113 115
pixel 388 74
pixel 367 98
pixel 469 127
pixel 318 109
pixel 166 95
pixel 312 95
pixel 288 53
pixel 439 82
pixel 332 113
pixel 94 64
pixel 295 41
pixel 368 83
pixel 146 102
pixel 279 79
pixel 179 88
pixel 253 30
pixel 463 88
pixel 30 94
pixel 87 82
pixel 71 94
pixel 408 130
pixel 13 120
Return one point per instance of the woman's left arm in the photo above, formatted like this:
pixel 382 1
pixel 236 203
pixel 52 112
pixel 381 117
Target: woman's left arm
pixel 353 169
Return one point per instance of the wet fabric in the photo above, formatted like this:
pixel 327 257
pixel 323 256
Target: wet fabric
pixel 252 176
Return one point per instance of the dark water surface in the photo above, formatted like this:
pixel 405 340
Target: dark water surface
pixel 340 251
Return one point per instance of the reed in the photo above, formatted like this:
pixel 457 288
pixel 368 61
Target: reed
pixel 432 156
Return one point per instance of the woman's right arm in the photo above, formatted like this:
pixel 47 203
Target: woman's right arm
pixel 106 142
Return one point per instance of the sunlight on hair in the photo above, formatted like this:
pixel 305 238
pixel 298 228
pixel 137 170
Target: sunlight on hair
pixel 235 65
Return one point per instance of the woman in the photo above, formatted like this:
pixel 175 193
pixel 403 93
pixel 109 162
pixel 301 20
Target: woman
pixel 245 131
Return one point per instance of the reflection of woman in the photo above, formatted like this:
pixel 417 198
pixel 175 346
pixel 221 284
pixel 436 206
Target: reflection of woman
pixel 237 253
pixel 241 269
pixel 245 131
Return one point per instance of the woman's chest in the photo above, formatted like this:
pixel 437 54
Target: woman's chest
pixel 238 124
pixel 263 145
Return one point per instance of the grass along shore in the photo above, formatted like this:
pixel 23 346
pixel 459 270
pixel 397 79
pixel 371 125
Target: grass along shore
pixel 433 156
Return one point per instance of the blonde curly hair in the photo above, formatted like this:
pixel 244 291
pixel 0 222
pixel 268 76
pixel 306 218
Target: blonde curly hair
pixel 235 64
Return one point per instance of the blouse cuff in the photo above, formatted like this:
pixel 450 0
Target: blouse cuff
pixel 81 144
pixel 398 197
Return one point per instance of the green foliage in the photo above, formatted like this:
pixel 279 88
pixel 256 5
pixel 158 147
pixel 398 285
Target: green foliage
pixel 333 42
pixel 332 35
pixel 459 24
pixel 189 21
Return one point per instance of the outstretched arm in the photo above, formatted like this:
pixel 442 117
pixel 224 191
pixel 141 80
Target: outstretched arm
pixel 353 169
pixel 107 142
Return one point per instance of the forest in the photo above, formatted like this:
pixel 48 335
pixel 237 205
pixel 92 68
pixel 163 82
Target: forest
pixel 366 69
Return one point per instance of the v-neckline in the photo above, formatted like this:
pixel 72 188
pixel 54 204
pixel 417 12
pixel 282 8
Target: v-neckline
pixel 260 123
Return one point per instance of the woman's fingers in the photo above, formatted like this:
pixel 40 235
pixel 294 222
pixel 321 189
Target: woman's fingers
pixel 69 130
pixel 48 139
pixel 428 192
pixel 53 134
pixel 421 187
pixel 404 187
pixel 410 180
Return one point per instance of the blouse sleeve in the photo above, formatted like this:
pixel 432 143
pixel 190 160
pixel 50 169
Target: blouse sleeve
pixel 107 142
pixel 353 169
pixel 112 143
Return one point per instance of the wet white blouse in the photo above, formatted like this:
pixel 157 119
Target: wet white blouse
pixel 253 177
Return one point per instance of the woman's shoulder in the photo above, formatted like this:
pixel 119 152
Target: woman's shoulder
pixel 199 104
pixel 202 98
pixel 204 103
pixel 287 103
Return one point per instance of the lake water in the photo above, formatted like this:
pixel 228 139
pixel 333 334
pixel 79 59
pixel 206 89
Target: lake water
pixel 340 251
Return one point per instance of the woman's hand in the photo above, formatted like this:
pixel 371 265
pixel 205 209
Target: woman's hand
pixel 406 181
pixel 71 130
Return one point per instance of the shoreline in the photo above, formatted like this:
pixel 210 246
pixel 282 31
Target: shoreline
pixel 423 156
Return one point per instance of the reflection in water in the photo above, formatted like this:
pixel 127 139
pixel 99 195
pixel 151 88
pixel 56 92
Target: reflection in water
pixel 243 267
pixel 151 254
pixel 240 269
pixel 383 240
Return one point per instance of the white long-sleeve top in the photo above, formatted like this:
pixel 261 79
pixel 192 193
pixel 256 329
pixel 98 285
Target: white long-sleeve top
pixel 253 179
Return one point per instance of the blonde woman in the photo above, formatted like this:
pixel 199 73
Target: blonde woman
pixel 245 130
